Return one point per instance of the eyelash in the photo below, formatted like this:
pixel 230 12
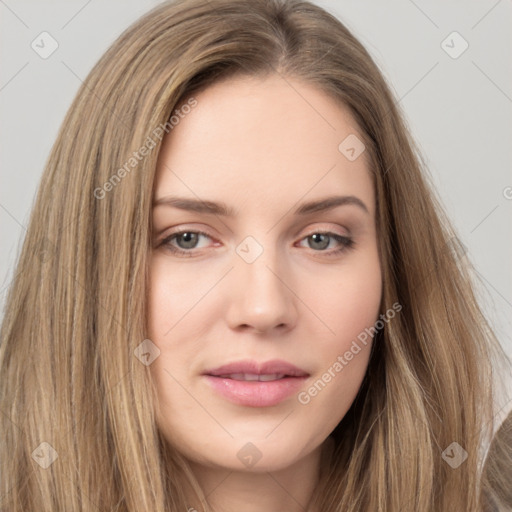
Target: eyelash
pixel 346 242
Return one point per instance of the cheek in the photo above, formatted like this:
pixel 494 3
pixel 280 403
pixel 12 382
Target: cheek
pixel 161 299
pixel 170 299
pixel 348 299
pixel 175 294
pixel 173 299
pixel 349 308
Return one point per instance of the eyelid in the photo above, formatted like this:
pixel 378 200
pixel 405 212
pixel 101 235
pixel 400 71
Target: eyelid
pixel 323 229
pixel 184 229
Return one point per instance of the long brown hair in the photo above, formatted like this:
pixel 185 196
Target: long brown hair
pixel 78 430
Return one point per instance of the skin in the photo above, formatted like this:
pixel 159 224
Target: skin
pixel 262 146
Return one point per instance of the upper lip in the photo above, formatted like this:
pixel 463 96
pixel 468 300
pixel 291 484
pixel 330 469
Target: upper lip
pixel 275 366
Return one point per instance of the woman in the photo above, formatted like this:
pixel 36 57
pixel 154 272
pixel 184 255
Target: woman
pixel 304 337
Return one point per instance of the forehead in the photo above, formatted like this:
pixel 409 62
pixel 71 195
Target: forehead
pixel 263 141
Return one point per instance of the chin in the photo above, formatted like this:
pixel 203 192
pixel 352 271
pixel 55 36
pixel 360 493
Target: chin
pixel 258 455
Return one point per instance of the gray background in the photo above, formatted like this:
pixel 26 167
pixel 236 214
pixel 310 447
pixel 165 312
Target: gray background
pixel 458 109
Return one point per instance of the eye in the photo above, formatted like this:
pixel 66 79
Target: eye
pixel 321 240
pixel 186 240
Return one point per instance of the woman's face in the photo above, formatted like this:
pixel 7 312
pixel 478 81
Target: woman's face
pixel 256 319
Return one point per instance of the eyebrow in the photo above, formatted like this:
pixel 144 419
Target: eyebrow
pixel 219 208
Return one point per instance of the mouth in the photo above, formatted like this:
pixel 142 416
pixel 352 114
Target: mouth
pixel 251 384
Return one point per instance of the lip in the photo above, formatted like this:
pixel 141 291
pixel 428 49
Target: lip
pixel 256 393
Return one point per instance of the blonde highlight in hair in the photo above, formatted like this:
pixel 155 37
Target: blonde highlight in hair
pixel 76 309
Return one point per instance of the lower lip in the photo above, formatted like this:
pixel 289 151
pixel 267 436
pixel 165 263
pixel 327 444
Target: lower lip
pixel 256 393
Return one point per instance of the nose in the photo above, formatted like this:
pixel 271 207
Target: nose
pixel 261 297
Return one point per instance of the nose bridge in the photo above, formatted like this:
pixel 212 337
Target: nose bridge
pixel 260 296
